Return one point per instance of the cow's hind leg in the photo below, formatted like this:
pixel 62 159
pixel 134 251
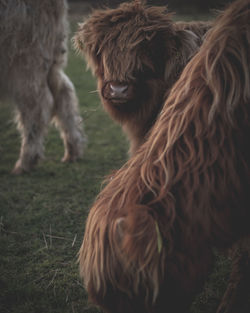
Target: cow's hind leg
pixel 66 114
pixel 34 111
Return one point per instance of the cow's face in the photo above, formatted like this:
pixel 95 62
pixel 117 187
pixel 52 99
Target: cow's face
pixel 136 53
pixel 126 50
pixel 131 76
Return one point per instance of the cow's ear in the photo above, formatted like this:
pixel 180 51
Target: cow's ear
pixel 186 45
pixel 86 42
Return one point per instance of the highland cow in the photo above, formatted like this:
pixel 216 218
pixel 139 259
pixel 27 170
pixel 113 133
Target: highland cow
pixel 33 52
pixel 149 236
pixel 137 53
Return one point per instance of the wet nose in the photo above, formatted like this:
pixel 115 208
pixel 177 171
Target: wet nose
pixel 118 91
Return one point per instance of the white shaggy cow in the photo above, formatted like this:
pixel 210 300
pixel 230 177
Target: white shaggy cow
pixel 33 53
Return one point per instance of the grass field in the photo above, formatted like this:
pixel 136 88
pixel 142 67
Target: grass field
pixel 42 214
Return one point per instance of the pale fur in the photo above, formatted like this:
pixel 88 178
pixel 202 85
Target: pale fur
pixel 33 53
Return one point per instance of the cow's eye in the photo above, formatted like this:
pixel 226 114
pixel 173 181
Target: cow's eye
pixel 147 72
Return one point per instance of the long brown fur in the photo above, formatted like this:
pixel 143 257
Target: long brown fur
pixel 149 236
pixel 142 48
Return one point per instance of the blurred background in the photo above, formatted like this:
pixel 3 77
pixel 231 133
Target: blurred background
pixel 182 6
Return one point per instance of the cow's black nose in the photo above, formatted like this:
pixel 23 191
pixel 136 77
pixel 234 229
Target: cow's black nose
pixel 118 91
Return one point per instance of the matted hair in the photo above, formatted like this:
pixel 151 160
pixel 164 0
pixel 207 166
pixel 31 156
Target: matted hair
pixel 150 233
pixel 142 51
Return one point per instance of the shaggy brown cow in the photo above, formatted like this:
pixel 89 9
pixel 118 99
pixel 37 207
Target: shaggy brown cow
pixel 33 53
pixel 149 236
pixel 137 53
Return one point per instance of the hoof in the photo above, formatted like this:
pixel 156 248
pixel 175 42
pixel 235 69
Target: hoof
pixel 69 158
pixel 18 170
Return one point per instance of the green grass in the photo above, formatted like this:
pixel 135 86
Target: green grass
pixel 42 214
